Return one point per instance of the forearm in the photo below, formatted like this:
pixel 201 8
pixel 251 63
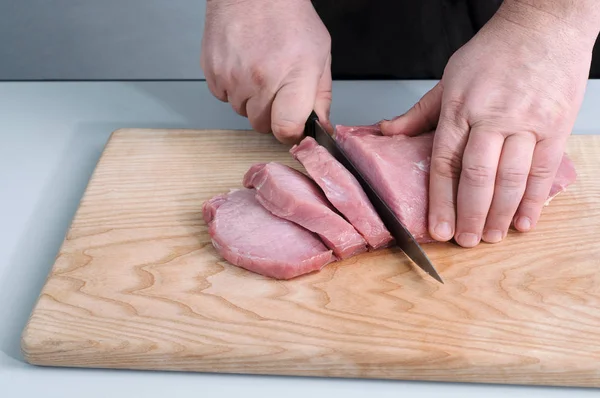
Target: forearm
pixel 291 3
pixel 577 18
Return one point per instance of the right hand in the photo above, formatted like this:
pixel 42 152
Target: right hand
pixel 271 60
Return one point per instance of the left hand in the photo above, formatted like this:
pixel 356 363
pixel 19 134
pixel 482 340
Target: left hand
pixel 504 109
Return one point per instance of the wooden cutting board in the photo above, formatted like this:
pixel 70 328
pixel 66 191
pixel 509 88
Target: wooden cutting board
pixel 138 285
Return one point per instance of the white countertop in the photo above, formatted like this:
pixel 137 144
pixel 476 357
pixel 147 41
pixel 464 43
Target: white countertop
pixel 51 136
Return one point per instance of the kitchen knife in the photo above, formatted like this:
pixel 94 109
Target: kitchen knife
pixel 403 237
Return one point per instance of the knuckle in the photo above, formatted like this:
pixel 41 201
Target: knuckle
pixel 221 96
pixel 456 106
pixel 423 110
pixel 446 165
pixel 325 95
pixel 542 171
pixel 550 111
pixel 531 202
pixel 259 75
pixel 473 219
pixel 232 78
pixel 446 204
pixel 240 107
pixel 478 175
pixel 511 178
pixel 214 90
pixel 500 216
pixel 420 107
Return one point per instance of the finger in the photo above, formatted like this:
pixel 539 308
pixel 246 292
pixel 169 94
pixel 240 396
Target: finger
pixel 323 101
pixel 238 99
pixel 293 104
pixel 446 161
pixel 240 107
pixel 511 180
pixel 546 159
pixel 213 86
pixel 259 112
pixel 421 118
pixel 211 79
pixel 476 184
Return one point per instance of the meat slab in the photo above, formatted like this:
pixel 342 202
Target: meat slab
pixel 247 235
pixel 398 168
pixel 291 195
pixel 342 190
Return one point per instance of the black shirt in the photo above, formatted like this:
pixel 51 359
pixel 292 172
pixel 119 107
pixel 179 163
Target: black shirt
pixel 403 39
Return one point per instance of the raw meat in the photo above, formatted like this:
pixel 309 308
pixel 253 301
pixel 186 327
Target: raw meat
pixel 249 236
pixel 565 176
pixel 343 191
pixel 290 194
pixel 398 168
pixel 283 225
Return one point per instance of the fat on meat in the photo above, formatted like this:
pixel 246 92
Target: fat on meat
pixel 247 235
pixel 343 191
pixel 290 194
pixel 398 168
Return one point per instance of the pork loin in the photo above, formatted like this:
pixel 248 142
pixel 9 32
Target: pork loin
pixel 247 235
pixel 398 168
pixel 342 190
pixel 290 194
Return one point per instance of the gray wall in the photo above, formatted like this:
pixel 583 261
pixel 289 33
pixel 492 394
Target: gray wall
pixel 100 39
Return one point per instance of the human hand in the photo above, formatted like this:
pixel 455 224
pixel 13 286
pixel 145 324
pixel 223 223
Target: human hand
pixel 270 60
pixel 502 112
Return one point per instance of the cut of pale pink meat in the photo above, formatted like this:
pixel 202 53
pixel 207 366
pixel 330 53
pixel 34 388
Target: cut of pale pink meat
pixel 290 194
pixel 283 224
pixel 247 235
pixel 398 169
pixel 565 176
pixel 343 191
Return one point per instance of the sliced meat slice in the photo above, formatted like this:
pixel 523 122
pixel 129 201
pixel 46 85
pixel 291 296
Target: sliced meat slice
pixel 290 194
pixel 398 168
pixel 249 236
pixel 343 191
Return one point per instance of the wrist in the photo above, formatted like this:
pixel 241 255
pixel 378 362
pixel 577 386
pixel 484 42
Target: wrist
pixel 577 21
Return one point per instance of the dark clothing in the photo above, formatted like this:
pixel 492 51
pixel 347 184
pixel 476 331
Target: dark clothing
pixel 410 39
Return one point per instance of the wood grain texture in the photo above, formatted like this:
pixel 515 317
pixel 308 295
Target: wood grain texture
pixel 138 285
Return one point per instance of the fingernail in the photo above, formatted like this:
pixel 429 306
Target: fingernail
pixel 523 224
pixel 493 236
pixel 468 239
pixel 443 230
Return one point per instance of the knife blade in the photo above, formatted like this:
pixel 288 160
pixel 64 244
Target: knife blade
pixel 403 237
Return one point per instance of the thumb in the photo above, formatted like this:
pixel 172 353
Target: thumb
pixel 292 105
pixel 421 118
pixel 323 100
